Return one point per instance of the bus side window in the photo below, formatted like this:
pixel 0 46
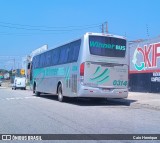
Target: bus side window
pixel 55 56
pixel 48 59
pixel 74 51
pixel 70 53
pixel 64 54
pixel 67 53
pixel 76 46
pixel 35 63
pixel 42 60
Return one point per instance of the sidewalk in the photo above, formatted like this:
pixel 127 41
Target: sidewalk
pixel 148 100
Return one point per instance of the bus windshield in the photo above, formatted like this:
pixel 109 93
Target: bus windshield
pixel 107 46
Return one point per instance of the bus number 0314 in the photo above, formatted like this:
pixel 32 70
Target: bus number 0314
pixel 119 83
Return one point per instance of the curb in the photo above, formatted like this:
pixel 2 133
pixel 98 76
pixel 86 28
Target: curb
pixel 134 103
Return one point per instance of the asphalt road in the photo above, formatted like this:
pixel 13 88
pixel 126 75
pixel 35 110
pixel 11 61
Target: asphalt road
pixel 23 113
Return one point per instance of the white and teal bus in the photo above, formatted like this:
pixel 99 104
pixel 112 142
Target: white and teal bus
pixel 95 65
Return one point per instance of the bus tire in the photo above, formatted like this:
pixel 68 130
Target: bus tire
pixel 60 93
pixel 38 93
pixel 34 87
pixel 35 91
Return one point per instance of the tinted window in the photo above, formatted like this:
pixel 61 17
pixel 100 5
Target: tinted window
pixel 48 58
pixel 70 52
pixel 42 60
pixel 55 56
pixel 61 55
pixel 107 46
pixel 64 54
pixel 74 51
pixel 35 62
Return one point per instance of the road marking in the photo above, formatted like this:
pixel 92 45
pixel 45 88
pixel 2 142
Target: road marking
pixel 18 98
pixel 3 87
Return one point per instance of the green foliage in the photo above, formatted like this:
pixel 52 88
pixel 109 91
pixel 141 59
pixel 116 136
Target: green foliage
pixel 2 71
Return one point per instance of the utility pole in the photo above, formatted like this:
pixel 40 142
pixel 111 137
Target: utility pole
pixel 104 27
pixel 147 31
pixel 106 23
pixel 18 65
pixel 14 63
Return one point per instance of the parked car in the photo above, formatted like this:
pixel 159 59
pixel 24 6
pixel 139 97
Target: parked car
pixel 19 83
pixel 0 82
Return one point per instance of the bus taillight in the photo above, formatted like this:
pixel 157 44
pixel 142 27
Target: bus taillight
pixel 82 69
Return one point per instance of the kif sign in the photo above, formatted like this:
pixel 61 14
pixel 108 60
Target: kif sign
pixel 150 55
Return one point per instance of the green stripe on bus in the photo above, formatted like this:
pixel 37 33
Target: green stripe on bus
pixel 102 75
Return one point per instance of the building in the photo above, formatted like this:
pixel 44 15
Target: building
pixel 144 71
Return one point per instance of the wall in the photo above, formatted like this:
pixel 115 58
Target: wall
pixel 145 65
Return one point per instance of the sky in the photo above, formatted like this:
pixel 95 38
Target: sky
pixel 26 25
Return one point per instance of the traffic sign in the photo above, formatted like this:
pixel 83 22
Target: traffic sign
pixel 22 71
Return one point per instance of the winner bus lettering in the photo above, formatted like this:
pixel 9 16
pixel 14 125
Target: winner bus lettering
pixel 101 45
pixel 107 46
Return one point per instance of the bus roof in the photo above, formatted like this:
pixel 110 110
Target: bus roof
pixel 106 34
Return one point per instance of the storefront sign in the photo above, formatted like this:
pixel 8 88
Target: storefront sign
pixel 156 77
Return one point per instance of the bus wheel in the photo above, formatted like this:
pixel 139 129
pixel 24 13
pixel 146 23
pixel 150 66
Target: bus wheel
pixel 60 95
pixel 34 87
pixel 35 91
pixel 38 93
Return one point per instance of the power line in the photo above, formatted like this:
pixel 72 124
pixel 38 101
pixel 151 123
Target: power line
pixel 10 56
pixel 44 28
pixel 39 30
pixel 81 26
pixel 47 30
pixel 10 61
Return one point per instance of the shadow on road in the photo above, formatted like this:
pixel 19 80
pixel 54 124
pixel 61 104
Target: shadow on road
pixel 91 101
